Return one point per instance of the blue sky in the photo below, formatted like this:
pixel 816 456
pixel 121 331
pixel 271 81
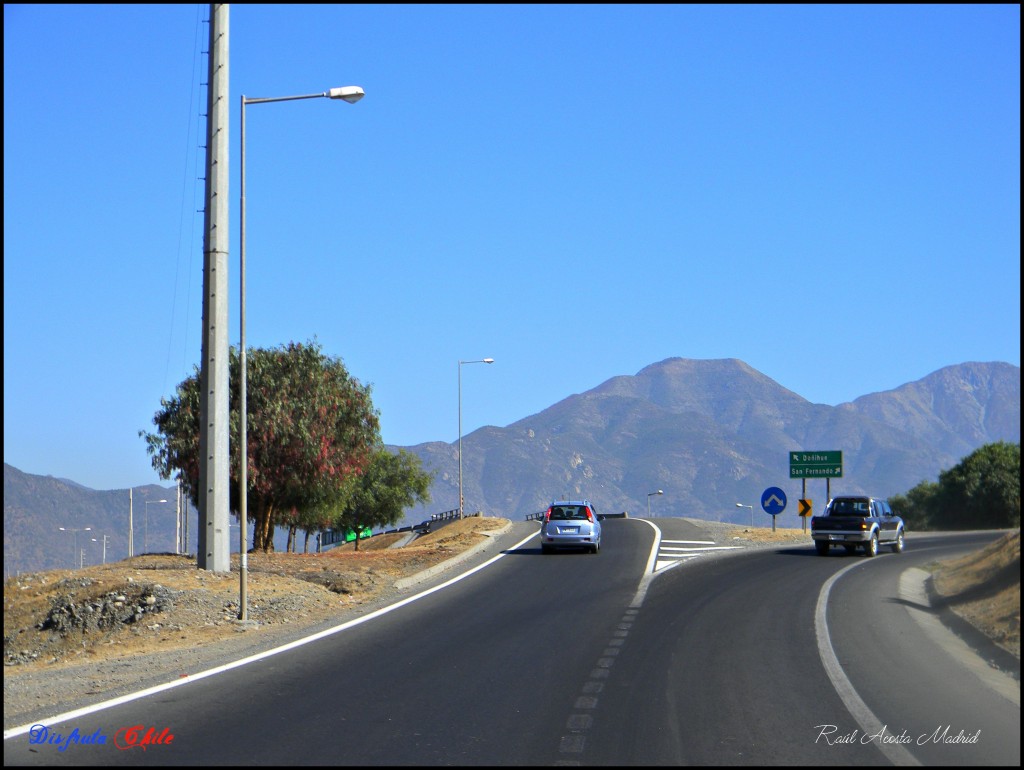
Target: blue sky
pixel 829 193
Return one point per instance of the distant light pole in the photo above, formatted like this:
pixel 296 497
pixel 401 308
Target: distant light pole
pixel 74 539
pixel 104 541
pixel 741 505
pixel 145 534
pixel 649 495
pixel 479 361
pixel 350 94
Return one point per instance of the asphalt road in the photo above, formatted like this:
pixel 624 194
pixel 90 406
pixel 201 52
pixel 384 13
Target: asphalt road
pixel 535 659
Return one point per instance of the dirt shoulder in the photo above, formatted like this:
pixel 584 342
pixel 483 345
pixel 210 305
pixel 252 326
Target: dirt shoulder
pixel 73 637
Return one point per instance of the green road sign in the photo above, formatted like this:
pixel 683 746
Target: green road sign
pixel 806 465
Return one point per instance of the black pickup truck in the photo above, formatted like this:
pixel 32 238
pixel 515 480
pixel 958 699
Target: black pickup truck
pixel 858 521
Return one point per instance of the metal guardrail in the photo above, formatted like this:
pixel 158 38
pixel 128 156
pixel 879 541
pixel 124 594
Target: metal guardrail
pixel 424 525
pixel 452 514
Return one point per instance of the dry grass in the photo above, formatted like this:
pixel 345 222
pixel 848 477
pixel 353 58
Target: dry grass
pixel 984 589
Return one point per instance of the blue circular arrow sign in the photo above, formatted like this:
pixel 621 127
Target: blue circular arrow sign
pixel 773 500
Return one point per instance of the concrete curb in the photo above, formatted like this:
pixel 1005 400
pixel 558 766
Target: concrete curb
pixel 998 668
pixel 426 574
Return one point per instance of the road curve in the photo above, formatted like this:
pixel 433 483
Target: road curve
pixel 713 658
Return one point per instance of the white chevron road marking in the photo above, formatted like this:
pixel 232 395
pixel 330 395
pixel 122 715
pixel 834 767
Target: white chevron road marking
pixel 672 552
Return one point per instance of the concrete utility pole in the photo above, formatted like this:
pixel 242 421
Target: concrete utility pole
pixel 213 551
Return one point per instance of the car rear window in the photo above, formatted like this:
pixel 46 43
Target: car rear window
pixel 569 512
pixel 850 508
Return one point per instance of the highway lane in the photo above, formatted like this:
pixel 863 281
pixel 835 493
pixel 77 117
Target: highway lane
pixel 721 667
pixel 913 685
pixel 553 659
pixel 472 674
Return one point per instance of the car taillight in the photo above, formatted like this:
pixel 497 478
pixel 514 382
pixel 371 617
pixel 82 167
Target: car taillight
pixel 590 516
pixel 547 516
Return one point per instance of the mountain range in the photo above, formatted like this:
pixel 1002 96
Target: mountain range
pixel 709 434
pixel 714 433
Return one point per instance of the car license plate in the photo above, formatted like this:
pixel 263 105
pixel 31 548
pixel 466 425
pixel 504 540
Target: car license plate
pixel 569 530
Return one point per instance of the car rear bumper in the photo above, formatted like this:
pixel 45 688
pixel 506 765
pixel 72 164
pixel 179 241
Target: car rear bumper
pixel 568 541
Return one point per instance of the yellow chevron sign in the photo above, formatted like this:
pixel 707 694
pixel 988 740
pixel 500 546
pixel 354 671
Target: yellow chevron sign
pixel 805 508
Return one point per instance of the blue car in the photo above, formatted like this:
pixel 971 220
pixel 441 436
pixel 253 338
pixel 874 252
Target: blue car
pixel 571 524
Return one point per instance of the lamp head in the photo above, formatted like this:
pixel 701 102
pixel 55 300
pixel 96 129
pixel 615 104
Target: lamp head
pixel 350 94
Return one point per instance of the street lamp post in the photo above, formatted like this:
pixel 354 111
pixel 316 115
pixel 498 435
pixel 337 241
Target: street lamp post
pixel 131 527
pixel 74 538
pixel 478 361
pixel 104 541
pixel 741 505
pixel 145 533
pixel 350 94
pixel 649 495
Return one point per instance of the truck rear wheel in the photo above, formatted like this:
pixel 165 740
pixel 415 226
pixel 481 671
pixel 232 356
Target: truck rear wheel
pixel 871 546
pixel 822 547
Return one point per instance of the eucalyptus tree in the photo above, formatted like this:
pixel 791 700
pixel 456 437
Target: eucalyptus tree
pixel 392 482
pixel 311 431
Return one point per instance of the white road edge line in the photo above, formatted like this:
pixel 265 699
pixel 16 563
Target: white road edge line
pixel 863 715
pixel 649 570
